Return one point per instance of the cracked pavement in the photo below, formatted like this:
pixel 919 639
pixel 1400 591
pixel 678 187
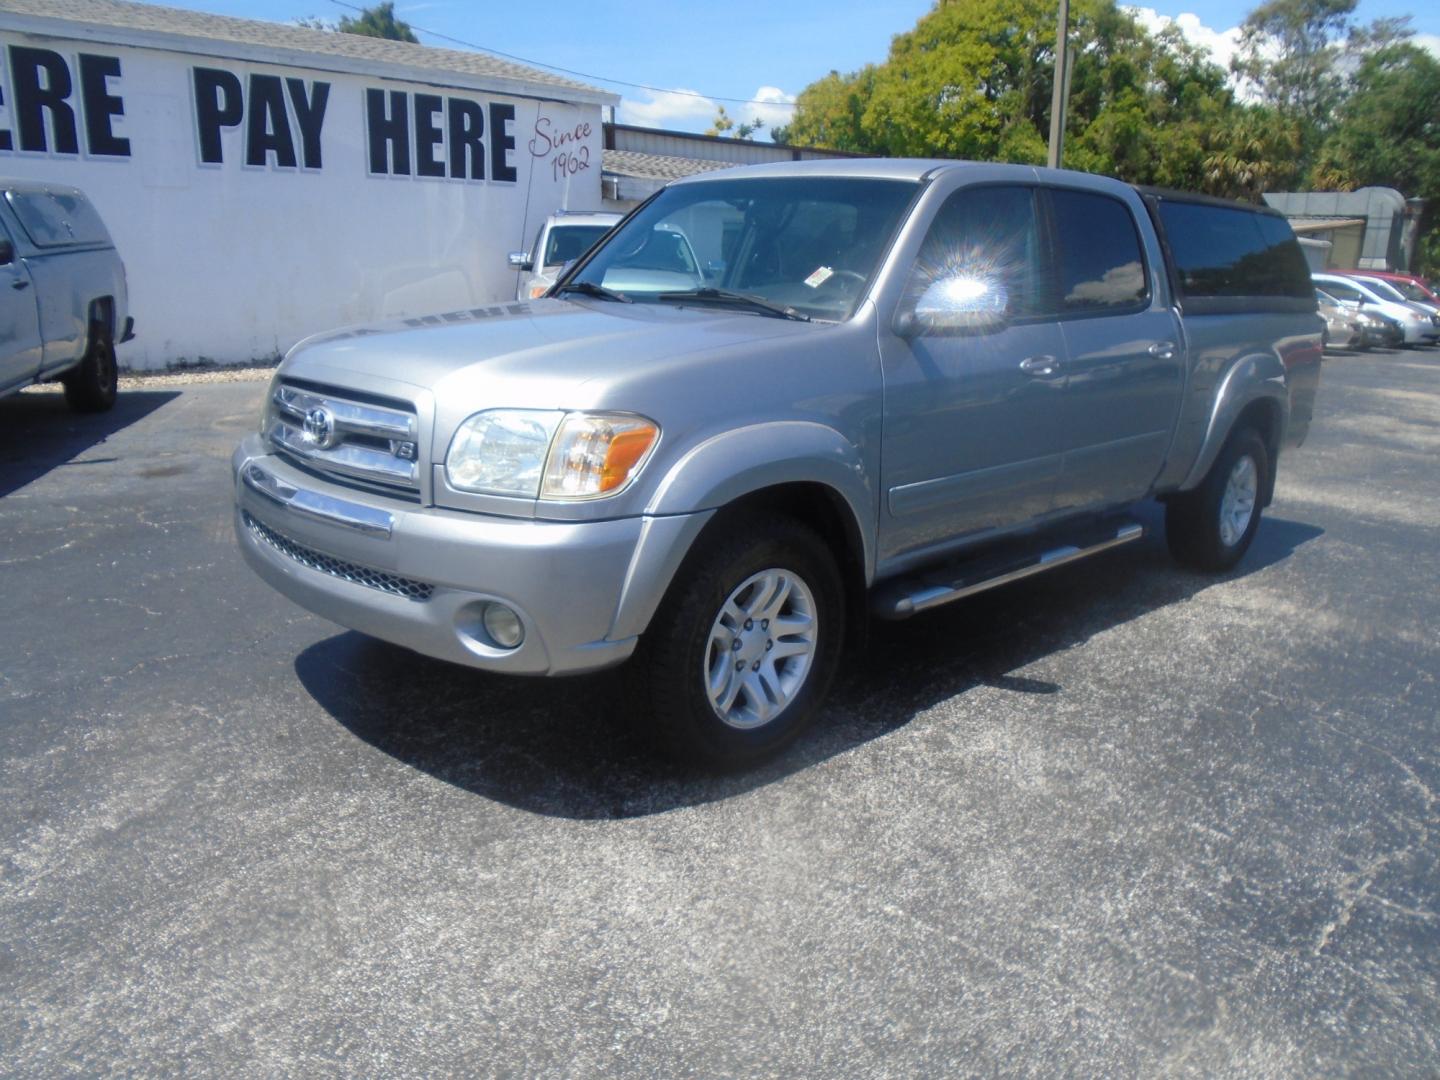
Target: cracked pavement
pixel 1116 820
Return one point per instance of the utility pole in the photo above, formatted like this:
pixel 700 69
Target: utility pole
pixel 1062 85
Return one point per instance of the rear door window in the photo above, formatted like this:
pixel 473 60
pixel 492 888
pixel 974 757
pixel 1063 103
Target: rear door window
pixel 1099 261
pixel 57 219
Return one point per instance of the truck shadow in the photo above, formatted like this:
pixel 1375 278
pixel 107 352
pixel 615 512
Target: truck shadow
pixel 38 432
pixel 562 747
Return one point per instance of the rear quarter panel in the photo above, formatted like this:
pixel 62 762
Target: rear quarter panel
pixel 67 284
pixel 1236 359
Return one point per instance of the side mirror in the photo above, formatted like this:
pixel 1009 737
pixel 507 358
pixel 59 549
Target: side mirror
pixel 7 252
pixel 520 260
pixel 956 304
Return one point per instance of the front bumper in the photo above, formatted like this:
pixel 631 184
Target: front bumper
pixel 1419 333
pixel 421 576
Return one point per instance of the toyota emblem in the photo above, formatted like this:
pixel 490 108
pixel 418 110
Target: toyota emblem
pixel 319 429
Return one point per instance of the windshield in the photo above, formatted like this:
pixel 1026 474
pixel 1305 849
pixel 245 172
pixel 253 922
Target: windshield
pixel 1411 291
pixel 1383 289
pixel 811 244
pixel 567 242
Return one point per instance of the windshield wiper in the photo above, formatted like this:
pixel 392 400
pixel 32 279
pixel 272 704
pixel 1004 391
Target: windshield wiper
pixel 725 296
pixel 589 288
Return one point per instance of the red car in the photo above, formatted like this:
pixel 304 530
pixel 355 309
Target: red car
pixel 1413 287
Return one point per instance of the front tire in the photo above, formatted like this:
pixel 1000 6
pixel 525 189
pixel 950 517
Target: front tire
pixel 91 387
pixel 745 645
pixel 1211 527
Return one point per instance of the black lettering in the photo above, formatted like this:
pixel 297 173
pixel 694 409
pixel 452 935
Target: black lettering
pixel 219 103
pixel 268 130
pixel 500 141
pixel 101 106
pixel 33 100
pixel 389 132
pixel 310 115
pixel 428 135
pixel 467 139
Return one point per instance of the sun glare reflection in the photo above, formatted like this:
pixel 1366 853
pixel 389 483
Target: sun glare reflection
pixel 962 279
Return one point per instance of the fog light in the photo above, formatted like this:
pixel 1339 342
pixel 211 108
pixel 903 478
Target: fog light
pixel 503 626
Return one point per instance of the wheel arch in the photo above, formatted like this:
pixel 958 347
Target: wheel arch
pixel 1253 392
pixel 805 472
pixel 101 314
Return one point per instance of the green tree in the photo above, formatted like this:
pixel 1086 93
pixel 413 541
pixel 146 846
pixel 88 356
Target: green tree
pixel 1387 133
pixel 378 21
pixel 829 111
pixel 721 124
pixel 973 80
pixel 1290 52
pixel 724 123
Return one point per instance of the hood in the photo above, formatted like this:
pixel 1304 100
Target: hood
pixel 544 341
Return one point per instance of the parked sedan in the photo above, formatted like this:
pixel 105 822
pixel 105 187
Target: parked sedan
pixel 1391 290
pixel 1377 329
pixel 1411 286
pixel 1417 325
pixel 1343 330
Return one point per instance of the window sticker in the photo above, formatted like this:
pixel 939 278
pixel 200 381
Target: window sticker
pixel 821 275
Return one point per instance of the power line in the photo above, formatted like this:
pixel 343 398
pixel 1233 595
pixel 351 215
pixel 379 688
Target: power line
pixel 579 74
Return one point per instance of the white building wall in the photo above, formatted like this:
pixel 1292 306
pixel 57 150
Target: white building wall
pixel 230 262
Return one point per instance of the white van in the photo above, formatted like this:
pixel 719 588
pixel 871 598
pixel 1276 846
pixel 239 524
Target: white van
pixel 563 238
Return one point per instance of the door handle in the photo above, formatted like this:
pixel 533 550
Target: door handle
pixel 22 283
pixel 1042 367
pixel 1162 350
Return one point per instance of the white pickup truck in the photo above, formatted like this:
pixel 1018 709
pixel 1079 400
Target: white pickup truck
pixel 63 301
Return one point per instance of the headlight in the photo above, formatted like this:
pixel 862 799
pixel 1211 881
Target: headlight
pixel 549 454
pixel 502 451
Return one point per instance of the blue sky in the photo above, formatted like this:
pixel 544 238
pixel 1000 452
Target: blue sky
pixel 740 49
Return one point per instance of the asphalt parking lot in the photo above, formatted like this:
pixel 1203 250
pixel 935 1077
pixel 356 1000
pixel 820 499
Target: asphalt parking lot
pixel 1117 820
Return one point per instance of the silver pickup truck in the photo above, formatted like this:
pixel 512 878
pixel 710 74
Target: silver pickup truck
pixel 893 384
pixel 63 300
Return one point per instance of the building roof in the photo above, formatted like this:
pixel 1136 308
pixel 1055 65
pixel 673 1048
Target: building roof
pixel 729 141
pixel 656 166
pixel 150 24
pixel 1302 225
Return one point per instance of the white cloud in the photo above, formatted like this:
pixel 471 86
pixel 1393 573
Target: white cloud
pixel 1221 45
pixel 667 109
pixel 684 110
pixel 776 110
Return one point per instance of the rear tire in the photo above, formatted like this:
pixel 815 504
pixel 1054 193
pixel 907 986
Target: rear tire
pixel 744 646
pixel 91 387
pixel 1211 527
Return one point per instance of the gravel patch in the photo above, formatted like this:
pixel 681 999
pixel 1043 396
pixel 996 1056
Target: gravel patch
pixel 151 380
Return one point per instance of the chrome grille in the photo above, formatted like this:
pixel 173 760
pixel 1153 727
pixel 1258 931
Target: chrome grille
pixel 345 438
pixel 371 578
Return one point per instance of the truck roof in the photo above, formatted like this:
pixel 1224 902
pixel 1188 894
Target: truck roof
pixel 36 187
pixel 917 169
pixel 864 168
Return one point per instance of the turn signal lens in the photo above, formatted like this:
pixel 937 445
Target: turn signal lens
pixel 596 454
pixel 537 291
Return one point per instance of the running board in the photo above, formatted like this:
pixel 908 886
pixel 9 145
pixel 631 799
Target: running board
pixel 908 596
